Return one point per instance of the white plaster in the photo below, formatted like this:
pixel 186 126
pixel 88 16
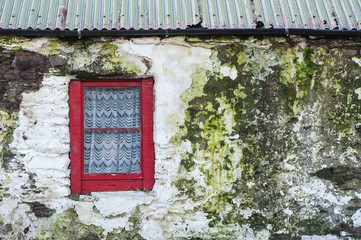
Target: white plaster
pixel 42 140
pixel 356 218
pixel 116 203
pixel 358 92
pixel 141 48
pixel 229 72
pixel 316 192
pixel 357 60
pixel 288 211
pixel 246 213
pixel 86 213
pixel 323 237
pixel 36 44
pixel 146 41
pixel 7 205
pixel 56 162
pixel 172 77
pixel 57 192
pixel 44 121
pixel 358 195
pixel 234 137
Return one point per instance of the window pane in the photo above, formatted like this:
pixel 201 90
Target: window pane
pixel 112 107
pixel 112 152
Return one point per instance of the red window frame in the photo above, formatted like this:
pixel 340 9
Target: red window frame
pixel 85 183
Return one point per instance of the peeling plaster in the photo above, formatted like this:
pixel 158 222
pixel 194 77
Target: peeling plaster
pixel 254 139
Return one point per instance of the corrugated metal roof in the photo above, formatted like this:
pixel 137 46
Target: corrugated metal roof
pixel 179 14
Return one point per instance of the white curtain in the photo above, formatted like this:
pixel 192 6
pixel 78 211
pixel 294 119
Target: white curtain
pixel 111 150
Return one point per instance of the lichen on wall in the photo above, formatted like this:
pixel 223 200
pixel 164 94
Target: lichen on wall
pixel 257 143
pixel 255 138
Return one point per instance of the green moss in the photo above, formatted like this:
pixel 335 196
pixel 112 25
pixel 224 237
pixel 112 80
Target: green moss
pixel 122 234
pixel 187 163
pixel 134 219
pixel 133 233
pixel 186 187
pixel 12 40
pixel 110 49
pixel 115 62
pixel 199 79
pixel 68 226
pixel 8 123
pixel 305 71
pixel 242 132
pixel 257 221
pixel 53 47
pixel 225 108
pixel 215 218
pixel 314 226
pixel 65 70
pixel 93 56
pixel 283 236
pixel 305 68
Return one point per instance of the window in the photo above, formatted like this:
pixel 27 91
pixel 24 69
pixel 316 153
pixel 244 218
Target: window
pixel 111 135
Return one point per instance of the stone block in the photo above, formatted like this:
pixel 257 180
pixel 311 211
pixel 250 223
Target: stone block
pixel 27 60
pixel 40 210
pixel 57 60
pixel 28 74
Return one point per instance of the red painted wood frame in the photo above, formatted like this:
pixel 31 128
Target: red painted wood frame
pixel 84 183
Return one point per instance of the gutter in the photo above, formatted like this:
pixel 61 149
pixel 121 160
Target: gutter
pixel 179 32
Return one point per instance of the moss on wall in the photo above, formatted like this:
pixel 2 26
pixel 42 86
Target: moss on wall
pixel 132 233
pixel 8 123
pixel 68 226
pixel 269 146
pixel 291 111
pixel 93 57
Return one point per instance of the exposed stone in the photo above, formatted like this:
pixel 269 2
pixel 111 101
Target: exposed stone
pixel 15 67
pixel 28 60
pixel 74 196
pixel 57 60
pixel 40 210
pixel 340 175
pixel 12 163
pixel 28 74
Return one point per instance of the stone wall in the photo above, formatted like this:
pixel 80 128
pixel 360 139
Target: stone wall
pixel 254 139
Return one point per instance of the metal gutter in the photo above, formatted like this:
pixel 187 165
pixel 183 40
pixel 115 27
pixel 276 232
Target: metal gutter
pixel 180 32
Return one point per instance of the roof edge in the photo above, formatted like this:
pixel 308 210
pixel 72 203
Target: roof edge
pixel 179 32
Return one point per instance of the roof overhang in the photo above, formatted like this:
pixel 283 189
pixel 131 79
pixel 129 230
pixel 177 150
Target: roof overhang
pixel 179 32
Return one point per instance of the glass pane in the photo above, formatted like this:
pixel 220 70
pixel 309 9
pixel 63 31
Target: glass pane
pixel 111 107
pixel 112 152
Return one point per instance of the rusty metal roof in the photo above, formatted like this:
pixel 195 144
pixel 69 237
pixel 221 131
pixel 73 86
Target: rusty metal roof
pixel 179 14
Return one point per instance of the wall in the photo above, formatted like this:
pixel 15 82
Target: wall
pixel 254 139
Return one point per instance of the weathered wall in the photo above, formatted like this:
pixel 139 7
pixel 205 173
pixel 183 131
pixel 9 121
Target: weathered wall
pixel 254 139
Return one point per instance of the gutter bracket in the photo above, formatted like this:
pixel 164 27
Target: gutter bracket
pixel 79 33
pixel 287 32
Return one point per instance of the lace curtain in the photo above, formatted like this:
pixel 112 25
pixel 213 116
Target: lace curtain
pixel 111 130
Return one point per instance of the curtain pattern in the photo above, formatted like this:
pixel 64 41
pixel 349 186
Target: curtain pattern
pixel 106 107
pixel 111 151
